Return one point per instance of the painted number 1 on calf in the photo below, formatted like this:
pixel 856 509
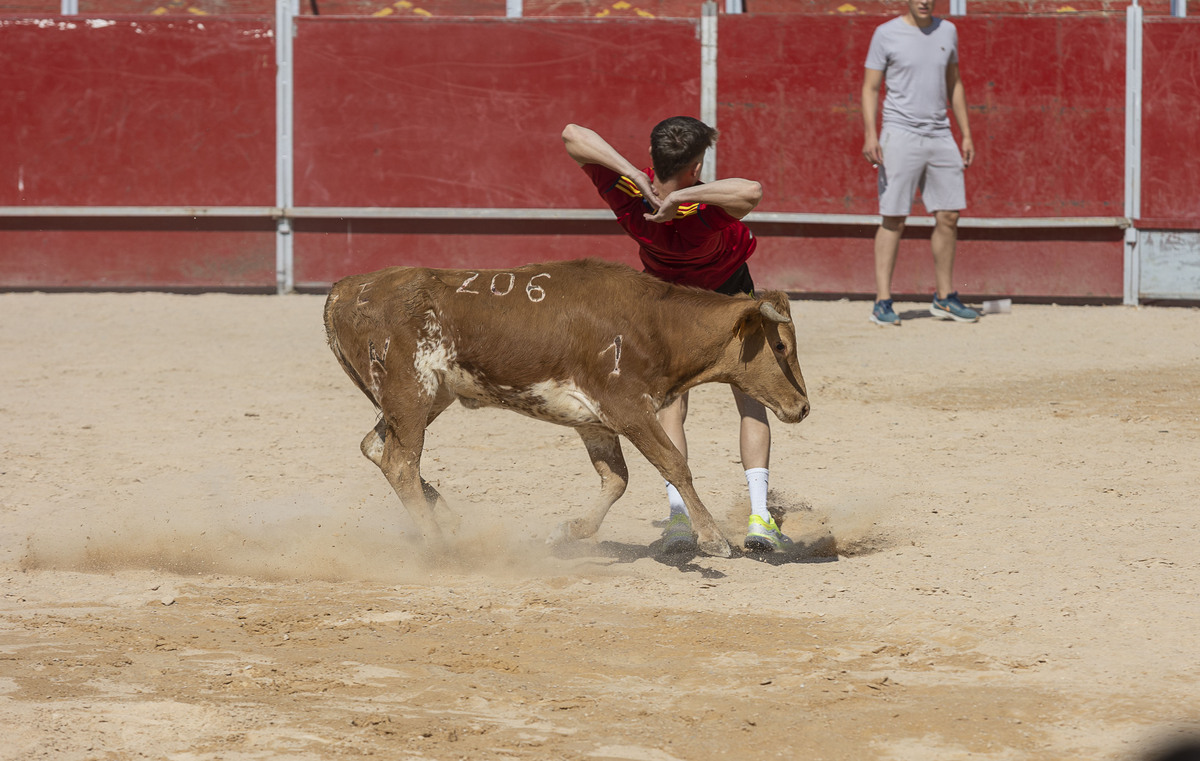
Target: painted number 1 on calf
pixel 534 293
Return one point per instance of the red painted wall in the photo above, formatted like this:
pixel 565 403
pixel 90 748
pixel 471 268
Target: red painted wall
pixel 137 112
pixel 397 111
pixel 1049 144
pixel 137 254
pixel 1049 140
pixel 604 9
pixel 1170 119
pixel 402 113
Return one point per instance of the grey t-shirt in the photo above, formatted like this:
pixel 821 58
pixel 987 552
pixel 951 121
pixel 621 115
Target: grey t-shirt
pixel 913 61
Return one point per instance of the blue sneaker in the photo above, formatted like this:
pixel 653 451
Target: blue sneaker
pixel 766 537
pixel 678 537
pixel 883 314
pixel 950 308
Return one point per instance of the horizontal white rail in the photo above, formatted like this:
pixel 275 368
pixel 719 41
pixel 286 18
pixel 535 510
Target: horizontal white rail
pixel 452 213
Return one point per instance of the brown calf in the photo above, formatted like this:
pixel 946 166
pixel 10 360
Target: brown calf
pixel 589 344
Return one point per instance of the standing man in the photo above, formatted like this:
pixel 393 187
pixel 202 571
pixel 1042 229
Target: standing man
pixel 918 53
pixel 691 233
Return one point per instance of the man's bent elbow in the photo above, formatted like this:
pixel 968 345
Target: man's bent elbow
pixel 754 194
pixel 573 139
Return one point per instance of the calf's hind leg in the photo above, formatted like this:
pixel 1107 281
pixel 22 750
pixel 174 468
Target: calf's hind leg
pixel 604 448
pixel 372 449
pixel 400 461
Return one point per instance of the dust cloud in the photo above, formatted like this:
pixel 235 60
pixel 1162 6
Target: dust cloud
pixel 195 525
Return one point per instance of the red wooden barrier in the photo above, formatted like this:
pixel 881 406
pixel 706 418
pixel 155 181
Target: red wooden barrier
pixel 1049 138
pixel 115 253
pixel 597 9
pixel 1170 115
pixel 400 113
pixel 137 112
pixel 469 113
pixel 1050 144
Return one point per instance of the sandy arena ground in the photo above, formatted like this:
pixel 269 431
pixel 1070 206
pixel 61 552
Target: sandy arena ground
pixel 1000 557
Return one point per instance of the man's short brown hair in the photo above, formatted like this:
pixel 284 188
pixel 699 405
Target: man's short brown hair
pixel 677 142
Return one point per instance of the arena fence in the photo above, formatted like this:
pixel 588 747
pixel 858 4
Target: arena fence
pixel 164 152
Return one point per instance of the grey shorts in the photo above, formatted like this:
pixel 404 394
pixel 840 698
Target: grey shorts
pixel 914 162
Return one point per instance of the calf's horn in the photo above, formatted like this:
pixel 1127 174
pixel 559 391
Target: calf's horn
pixel 771 313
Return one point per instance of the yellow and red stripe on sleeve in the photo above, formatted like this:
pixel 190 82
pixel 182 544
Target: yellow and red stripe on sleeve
pixel 626 186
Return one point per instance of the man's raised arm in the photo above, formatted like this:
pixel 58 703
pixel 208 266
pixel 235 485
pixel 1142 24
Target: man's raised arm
pixel 736 196
pixel 587 147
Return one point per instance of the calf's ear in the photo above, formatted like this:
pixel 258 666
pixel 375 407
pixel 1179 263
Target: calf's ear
pixel 750 319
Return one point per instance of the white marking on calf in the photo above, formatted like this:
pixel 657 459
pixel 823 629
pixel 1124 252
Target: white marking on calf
pixel 376 365
pixel 435 354
pixel 362 292
pixel 512 281
pixel 463 288
pixel 561 402
pixel 616 347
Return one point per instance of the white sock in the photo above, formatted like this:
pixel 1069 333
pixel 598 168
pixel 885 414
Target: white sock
pixel 756 479
pixel 675 500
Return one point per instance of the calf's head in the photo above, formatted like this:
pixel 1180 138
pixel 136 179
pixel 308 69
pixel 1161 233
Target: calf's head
pixel 768 368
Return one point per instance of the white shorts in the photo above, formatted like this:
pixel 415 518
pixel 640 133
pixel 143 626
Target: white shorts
pixel 913 162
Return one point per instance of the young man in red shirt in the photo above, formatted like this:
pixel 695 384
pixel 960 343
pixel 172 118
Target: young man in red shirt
pixel 691 233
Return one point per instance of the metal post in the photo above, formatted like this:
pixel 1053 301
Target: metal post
pixel 514 8
pixel 285 32
pixel 958 7
pixel 708 82
pixel 735 6
pixel 1133 149
pixel 1179 8
pixel 70 7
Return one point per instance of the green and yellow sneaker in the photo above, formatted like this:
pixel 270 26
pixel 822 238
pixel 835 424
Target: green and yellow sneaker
pixel 766 537
pixel 678 537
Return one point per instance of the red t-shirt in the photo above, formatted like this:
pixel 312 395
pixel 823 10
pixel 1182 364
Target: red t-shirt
pixel 703 246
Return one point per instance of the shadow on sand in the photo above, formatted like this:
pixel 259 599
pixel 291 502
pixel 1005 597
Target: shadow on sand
pixel 817 548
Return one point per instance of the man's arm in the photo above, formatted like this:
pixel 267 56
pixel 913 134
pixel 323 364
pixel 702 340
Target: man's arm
pixel 872 81
pixel 736 196
pixel 587 147
pixel 958 104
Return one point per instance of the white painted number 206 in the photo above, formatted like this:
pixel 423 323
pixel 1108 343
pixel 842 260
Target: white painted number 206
pixel 503 283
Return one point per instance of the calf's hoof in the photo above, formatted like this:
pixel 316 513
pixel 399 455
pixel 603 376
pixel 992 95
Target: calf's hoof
pixel 561 534
pixel 716 547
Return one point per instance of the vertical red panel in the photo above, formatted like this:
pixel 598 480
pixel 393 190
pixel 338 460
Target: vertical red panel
pixel 788 95
pixel 1046 100
pixel 1047 111
pixel 136 112
pixel 1170 115
pixel 470 113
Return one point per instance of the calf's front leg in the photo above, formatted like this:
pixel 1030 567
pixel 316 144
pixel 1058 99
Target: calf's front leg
pixel 654 444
